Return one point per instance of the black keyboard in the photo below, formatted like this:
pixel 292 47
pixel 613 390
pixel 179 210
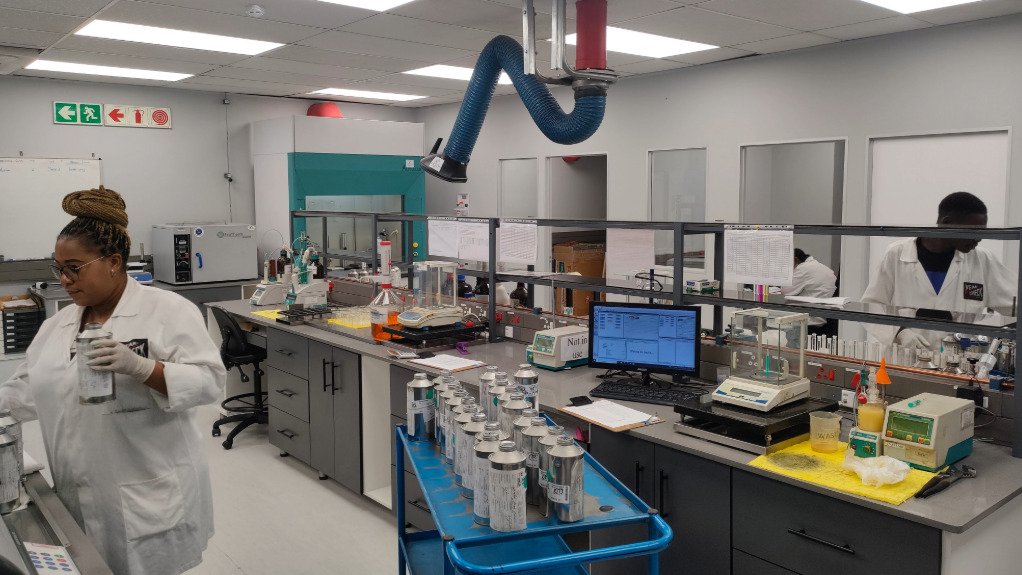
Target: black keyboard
pixel 642 393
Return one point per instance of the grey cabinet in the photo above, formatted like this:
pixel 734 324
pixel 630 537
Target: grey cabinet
pixel 335 414
pixel 692 494
pixel 745 564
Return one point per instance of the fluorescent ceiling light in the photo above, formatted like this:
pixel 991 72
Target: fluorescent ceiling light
pixel 910 6
pixel 453 73
pixel 178 38
pixel 643 44
pixel 378 5
pixel 365 94
pixel 71 68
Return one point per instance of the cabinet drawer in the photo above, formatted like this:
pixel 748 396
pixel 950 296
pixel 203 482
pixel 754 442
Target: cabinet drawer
pixel 417 513
pixel 290 434
pixel 745 564
pixel 287 352
pixel 394 422
pixel 288 393
pixel 811 533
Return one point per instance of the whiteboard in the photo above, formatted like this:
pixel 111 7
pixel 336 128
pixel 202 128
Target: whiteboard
pixel 31 190
pixel 911 175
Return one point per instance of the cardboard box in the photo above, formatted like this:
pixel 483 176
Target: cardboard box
pixel 585 259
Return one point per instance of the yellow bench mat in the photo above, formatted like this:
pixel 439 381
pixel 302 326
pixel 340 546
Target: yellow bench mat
pixel 271 314
pixel 801 462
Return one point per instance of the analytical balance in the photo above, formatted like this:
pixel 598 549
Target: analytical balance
pixel 422 317
pixel 929 431
pixel 761 376
pixel 559 348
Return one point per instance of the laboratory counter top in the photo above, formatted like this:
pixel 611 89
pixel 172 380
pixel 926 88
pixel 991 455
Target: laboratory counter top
pixel 999 478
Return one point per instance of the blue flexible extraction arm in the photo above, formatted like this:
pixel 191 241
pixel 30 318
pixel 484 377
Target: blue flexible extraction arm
pixel 504 53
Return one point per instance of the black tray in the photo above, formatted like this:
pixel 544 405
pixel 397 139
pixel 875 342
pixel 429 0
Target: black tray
pixel 752 421
pixel 455 331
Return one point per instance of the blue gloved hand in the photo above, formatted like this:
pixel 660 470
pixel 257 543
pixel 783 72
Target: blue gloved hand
pixel 110 355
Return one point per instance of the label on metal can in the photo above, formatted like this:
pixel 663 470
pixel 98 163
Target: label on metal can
pixel 530 390
pixel 420 407
pixel 481 486
pixel 558 493
pixel 507 499
pixel 544 478
pixel 532 459
pixel 92 383
pixel 465 453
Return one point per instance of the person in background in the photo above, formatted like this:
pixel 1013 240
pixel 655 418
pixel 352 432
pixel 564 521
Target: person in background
pixel 948 274
pixel 131 471
pixel 812 279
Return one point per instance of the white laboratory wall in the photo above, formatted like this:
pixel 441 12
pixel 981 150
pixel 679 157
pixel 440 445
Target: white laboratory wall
pixel 578 189
pixel 945 79
pixel 165 175
pixel 802 186
pixel 518 198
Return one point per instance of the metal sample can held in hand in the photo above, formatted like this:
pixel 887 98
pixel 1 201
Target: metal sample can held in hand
pixel 471 432
pixel 507 484
pixel 488 444
pixel 565 488
pixel 420 407
pixel 531 437
pixel 10 472
pixel 93 386
pixel 528 380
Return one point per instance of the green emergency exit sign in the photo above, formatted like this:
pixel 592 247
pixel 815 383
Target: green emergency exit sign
pixel 77 113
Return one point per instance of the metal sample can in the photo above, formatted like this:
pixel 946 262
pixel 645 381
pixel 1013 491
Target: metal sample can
pixel 440 385
pixel 93 386
pixel 507 484
pixel 494 426
pixel 510 411
pixel 520 423
pixel 10 472
pixel 485 381
pixel 461 448
pixel 420 406
pixel 545 443
pixel 444 412
pixel 532 448
pixel 498 388
pixel 454 402
pixel 488 444
pixel 565 488
pixel 14 428
pixel 528 380
pixel 471 431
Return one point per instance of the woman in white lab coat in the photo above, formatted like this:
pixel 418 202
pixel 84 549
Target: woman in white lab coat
pixel 813 279
pixel 132 471
pixel 939 274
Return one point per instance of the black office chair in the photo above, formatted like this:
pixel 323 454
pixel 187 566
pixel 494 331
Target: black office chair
pixel 248 408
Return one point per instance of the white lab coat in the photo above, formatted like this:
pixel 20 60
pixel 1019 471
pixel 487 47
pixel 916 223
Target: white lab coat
pixel 812 279
pixel 132 471
pixel 901 281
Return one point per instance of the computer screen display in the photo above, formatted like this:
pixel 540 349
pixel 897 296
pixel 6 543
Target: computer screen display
pixel 657 338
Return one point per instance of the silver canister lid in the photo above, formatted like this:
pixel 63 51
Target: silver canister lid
pixel 530 412
pixel 500 376
pixel 492 426
pixel 538 421
pixel 507 446
pixel 478 417
pixel 517 395
pixel 420 380
pixel 490 434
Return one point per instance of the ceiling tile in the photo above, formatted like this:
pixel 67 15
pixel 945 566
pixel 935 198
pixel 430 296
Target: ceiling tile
pixel 493 17
pixel 123 61
pixel 27 38
pixel 353 74
pixel 793 42
pixel 245 86
pixel 801 14
pixel 30 20
pixel 373 46
pixel 875 28
pixel 401 28
pixel 708 56
pixel 103 46
pixel 445 84
pixel 708 27
pixel 321 70
pixel 209 22
pixel 69 7
pixel 650 66
pixel 395 83
pixel 317 56
pixel 306 12
pixel 972 11
pixel 623 10
pixel 87 78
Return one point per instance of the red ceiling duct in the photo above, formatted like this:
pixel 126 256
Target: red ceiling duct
pixel 325 110
pixel 591 24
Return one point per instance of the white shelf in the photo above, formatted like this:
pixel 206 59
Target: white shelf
pixel 381 496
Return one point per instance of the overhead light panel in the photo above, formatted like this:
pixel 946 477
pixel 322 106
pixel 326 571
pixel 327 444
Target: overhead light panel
pixel 910 6
pixel 365 94
pixel 377 5
pixel 177 38
pixel 453 73
pixel 643 44
pixel 72 68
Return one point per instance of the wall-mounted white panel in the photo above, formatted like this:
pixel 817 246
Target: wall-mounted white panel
pixel 333 136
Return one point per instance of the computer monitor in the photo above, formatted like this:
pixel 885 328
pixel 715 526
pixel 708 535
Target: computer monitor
pixel 648 338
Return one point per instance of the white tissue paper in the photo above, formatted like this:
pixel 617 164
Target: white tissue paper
pixel 876 471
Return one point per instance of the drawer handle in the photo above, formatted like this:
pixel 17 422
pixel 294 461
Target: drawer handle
pixel 418 505
pixel 286 393
pixel 639 468
pixel 802 533
pixel 287 433
pixel 286 352
pixel 663 495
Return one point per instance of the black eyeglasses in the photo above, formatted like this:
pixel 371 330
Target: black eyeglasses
pixel 70 272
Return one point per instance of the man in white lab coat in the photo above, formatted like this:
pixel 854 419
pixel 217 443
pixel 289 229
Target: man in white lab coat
pixel 951 274
pixel 812 279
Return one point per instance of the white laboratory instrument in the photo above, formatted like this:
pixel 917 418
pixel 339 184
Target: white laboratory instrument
pixel 929 431
pixel 198 253
pixel 762 341
pixel 430 316
pixel 309 294
pixel 559 348
pixel 268 294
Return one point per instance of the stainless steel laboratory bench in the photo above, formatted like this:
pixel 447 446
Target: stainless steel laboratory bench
pixel 46 520
pixel 728 517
